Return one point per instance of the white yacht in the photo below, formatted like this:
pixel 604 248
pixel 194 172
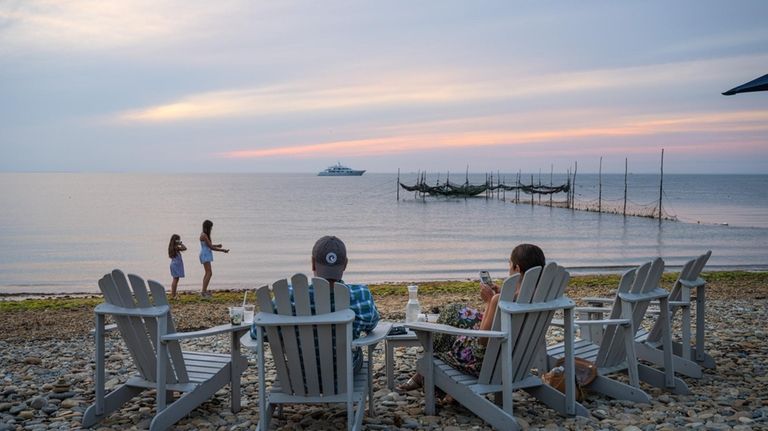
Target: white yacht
pixel 339 170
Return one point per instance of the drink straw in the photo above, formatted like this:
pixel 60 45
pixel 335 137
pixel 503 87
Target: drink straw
pixel 245 295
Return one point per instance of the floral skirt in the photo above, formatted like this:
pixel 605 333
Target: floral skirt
pixel 463 353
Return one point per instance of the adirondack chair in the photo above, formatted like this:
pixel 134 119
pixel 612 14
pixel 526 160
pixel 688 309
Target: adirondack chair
pixel 615 349
pixel 688 360
pixel 147 329
pixel 515 342
pixel 312 353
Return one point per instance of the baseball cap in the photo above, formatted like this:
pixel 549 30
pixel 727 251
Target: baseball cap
pixel 330 257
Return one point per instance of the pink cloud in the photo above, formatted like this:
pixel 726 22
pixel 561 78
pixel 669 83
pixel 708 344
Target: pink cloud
pixel 710 123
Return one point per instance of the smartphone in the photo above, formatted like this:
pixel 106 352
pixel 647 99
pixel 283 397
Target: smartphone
pixel 485 277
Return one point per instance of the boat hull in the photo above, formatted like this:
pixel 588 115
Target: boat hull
pixel 341 174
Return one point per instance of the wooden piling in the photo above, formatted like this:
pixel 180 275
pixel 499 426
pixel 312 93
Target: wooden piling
pixel 661 182
pixel 398 184
pixel 600 187
pixel 573 185
pixel 551 173
pixel 625 186
pixel 532 192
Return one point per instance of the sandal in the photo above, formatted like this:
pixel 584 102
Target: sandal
pixel 412 384
pixel 445 401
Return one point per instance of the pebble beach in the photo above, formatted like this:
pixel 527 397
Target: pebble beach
pixel 46 369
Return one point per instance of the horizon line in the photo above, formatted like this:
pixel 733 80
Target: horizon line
pixel 238 172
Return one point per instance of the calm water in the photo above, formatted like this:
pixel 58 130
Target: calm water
pixel 61 232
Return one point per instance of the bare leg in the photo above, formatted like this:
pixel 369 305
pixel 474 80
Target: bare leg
pixel 207 276
pixel 174 284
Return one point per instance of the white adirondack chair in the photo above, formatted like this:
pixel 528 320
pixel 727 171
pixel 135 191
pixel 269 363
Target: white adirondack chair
pixel 614 350
pixel 688 360
pixel 516 344
pixel 146 327
pixel 312 353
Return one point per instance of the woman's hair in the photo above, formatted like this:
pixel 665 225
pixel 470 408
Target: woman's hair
pixel 172 249
pixel 527 256
pixel 207 225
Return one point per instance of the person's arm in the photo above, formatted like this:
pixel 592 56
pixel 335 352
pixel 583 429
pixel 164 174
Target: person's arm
pixel 366 314
pixel 181 247
pixel 214 247
pixel 487 291
pixel 490 310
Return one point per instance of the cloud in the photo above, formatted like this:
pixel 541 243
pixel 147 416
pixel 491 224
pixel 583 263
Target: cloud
pixel 423 88
pixel 51 25
pixel 712 123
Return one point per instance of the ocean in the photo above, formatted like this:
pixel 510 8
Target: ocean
pixel 61 232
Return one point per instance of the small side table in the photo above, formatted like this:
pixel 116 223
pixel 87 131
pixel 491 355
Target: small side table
pixel 406 340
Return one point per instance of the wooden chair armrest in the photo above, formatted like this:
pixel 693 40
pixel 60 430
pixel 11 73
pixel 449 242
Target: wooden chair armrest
pixel 561 303
pixel 378 334
pixel 452 330
pixel 598 300
pixel 602 322
pixel 107 328
pixel 560 323
pixel 692 284
pixel 592 310
pixel 656 293
pixel 216 330
pixel 114 310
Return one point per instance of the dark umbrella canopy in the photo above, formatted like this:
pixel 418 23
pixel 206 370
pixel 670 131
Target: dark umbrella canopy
pixel 759 84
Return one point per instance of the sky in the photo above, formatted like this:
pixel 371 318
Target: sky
pixel 251 86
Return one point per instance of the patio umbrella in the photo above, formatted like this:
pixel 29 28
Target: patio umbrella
pixel 759 84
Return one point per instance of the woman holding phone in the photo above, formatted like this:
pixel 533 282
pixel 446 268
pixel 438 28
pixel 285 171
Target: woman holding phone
pixel 466 353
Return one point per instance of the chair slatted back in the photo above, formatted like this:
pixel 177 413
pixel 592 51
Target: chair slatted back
pixel 641 280
pixel 310 360
pixel 528 329
pixel 140 334
pixel 690 272
pixel 179 372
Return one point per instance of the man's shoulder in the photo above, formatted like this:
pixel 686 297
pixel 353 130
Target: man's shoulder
pixel 358 288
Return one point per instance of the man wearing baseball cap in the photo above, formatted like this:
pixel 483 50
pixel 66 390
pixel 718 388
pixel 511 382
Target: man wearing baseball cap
pixel 329 260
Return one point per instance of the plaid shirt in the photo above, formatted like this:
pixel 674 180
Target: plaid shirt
pixel 361 302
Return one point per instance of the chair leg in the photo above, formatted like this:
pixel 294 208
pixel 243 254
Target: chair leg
pixel 360 413
pixel 112 402
pixel 656 356
pixel 629 345
pixel 618 390
pixel 555 399
pixel 658 378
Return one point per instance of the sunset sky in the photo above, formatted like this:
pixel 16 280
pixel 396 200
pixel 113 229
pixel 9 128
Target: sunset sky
pixel 250 86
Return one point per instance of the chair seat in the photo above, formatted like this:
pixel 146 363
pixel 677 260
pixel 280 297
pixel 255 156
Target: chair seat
pixel 584 349
pixel 201 366
pixel 642 336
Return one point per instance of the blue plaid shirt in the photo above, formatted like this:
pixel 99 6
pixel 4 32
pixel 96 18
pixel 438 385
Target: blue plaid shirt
pixel 361 302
